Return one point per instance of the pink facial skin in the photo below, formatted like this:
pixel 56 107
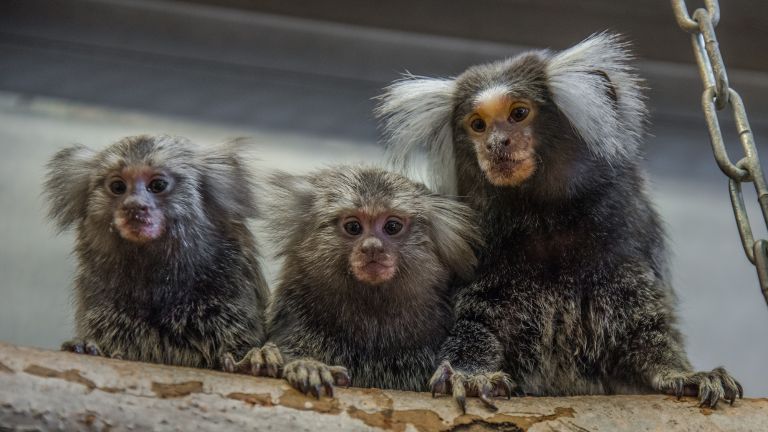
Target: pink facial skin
pixel 374 256
pixel 137 191
pixel 140 228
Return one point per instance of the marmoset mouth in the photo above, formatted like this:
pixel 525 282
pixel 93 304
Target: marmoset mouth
pixel 374 272
pixel 139 220
pixel 508 164
pixel 508 171
pixel 376 267
pixel 139 228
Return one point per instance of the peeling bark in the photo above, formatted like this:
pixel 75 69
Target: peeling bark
pixel 47 390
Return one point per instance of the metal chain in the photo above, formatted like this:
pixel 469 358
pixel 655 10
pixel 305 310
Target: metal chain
pixel 718 95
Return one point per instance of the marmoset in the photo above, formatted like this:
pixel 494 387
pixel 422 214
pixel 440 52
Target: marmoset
pixel 167 270
pixel 365 288
pixel 572 292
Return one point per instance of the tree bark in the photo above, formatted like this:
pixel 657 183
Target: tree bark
pixel 49 390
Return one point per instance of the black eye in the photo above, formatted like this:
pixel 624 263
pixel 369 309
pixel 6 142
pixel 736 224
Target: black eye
pixel 477 125
pixel 157 185
pixel 393 227
pixel 519 114
pixel 353 228
pixel 118 187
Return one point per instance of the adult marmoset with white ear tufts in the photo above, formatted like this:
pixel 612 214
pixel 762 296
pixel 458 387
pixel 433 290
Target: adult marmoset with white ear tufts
pixel 369 261
pixel 572 292
pixel 167 268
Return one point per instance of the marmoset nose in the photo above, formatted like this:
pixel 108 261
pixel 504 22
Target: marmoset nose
pixel 371 245
pixel 135 205
pixel 499 144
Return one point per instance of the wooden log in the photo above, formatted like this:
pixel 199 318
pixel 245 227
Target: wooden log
pixel 49 390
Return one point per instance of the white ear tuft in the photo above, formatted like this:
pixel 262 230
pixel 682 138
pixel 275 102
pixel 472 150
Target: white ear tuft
pixel 597 89
pixel 415 112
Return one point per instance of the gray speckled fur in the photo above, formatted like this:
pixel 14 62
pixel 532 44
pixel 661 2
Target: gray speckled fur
pixel 572 290
pixel 388 335
pixel 185 298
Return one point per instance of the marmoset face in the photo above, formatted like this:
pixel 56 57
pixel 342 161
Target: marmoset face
pixel 374 239
pixel 138 195
pixel 141 189
pixel 501 127
pixel 355 227
pixel 498 110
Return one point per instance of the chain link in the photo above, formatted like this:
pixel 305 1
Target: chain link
pixel 718 95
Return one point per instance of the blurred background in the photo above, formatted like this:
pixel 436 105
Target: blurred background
pixel 298 77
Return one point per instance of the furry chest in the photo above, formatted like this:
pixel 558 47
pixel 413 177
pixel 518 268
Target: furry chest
pixel 402 370
pixel 553 329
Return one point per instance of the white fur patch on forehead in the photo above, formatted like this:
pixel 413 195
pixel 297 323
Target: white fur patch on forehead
pixel 492 93
pixel 582 80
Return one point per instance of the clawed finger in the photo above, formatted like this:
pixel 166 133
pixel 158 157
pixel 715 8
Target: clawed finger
pixel 489 385
pixel 704 392
pixel 340 376
pixel 254 360
pixel 731 387
pixel 272 359
pixel 461 400
pixel 312 377
pixel 440 383
pixel 458 385
pixel 265 361
pixel 484 395
pixel 327 378
pixel 228 363
pixel 485 386
pixel 711 387
pixel 679 388
pixel 314 382
pixel 81 347
pixel 92 349
pixel 504 388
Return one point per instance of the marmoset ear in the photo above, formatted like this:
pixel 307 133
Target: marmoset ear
pixel 228 179
pixel 455 234
pixel 596 88
pixel 68 184
pixel 416 112
pixel 289 209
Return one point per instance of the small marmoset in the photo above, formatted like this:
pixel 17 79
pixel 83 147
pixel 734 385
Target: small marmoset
pixel 366 281
pixel 572 292
pixel 167 271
